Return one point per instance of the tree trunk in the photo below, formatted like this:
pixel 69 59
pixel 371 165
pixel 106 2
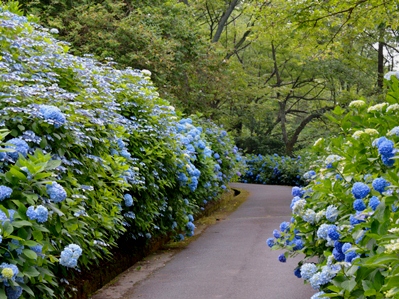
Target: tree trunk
pixel 223 20
pixel 380 69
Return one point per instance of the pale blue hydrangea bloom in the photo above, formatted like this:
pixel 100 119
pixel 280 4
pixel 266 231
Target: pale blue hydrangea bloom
pixel 5 192
pixel 317 295
pixel 322 232
pixel 128 200
pixel 190 226
pixel 308 270
pixel 284 226
pixel 56 192
pixel 54 114
pixel 309 175
pixel 70 255
pixel 332 213
pixel 41 214
pixel 20 147
pixel 394 131
pixel 309 216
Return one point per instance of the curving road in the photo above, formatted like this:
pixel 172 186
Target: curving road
pixel 230 260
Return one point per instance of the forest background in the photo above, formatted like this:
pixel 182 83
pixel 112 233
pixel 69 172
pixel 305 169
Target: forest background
pixel 268 71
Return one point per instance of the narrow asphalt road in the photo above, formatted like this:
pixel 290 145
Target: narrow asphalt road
pixel 231 260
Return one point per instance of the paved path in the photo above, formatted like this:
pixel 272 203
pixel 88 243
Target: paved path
pixel 230 260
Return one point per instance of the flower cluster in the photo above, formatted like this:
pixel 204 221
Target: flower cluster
pixel 273 170
pixel 70 255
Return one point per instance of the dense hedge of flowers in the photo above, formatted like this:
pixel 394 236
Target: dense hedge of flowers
pixel 273 170
pixel 89 153
pixel 347 218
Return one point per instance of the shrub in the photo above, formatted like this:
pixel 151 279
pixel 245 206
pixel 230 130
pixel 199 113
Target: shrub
pixel 347 216
pixel 88 154
pixel 273 170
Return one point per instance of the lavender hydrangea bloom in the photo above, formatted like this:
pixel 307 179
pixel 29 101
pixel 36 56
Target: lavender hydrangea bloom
pixel 379 184
pixel 374 202
pixel 5 192
pixel 54 114
pixel 128 200
pixel 20 147
pixel 360 190
pixel 70 255
pixel 359 205
pixel 56 192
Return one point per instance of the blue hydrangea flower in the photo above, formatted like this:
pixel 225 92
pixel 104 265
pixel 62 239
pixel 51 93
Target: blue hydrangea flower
pixel 338 255
pixel 297 272
pixel 309 175
pixel 345 247
pixel 322 232
pixel 374 202
pixel 350 256
pixel 20 147
pixel 379 184
pixel 38 249
pixel 190 217
pixel 11 272
pixel 216 156
pixel 308 270
pixel 284 226
pixel 332 213
pixel 41 214
pixel 70 255
pixel 56 192
pixel 270 242
pixel 13 292
pixel 282 258
pixel 385 147
pixel 297 191
pixel 15 245
pixel 317 295
pixel 128 200
pixel 355 219
pixel 190 226
pixel 387 160
pixel 53 113
pixel 31 213
pixel 332 233
pixel 298 244
pixel 359 205
pixel 360 190
pixel 5 192
pixel 276 233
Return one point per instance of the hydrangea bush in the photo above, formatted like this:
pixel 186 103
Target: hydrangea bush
pixel 346 220
pixel 89 154
pixel 273 170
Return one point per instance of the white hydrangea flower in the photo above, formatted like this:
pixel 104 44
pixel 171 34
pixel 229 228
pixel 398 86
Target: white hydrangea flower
pixel 393 107
pixel 393 247
pixel 390 74
pixel 371 131
pixel 377 107
pixel 297 208
pixel 146 73
pixel 357 103
pixel 357 134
